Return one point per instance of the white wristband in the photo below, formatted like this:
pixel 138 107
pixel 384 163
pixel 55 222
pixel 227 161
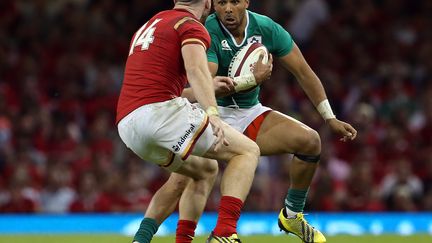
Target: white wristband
pixel 212 111
pixel 245 82
pixel 325 110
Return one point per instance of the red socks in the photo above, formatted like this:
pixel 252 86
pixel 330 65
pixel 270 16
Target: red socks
pixel 185 231
pixel 229 214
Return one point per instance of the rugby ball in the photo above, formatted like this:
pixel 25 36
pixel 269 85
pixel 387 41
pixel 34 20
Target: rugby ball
pixel 244 60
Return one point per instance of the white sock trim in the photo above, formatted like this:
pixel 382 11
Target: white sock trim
pixel 290 213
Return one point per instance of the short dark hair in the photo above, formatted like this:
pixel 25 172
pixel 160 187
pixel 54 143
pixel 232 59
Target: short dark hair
pixel 188 1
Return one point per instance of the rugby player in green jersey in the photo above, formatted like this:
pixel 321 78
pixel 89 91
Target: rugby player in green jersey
pixel 232 27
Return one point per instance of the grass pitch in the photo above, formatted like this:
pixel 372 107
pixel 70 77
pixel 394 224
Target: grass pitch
pixel 246 239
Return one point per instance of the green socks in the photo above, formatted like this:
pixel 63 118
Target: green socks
pixel 295 200
pixel 146 230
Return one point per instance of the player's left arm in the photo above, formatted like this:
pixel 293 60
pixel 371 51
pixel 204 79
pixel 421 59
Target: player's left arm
pixel 311 84
pixel 223 86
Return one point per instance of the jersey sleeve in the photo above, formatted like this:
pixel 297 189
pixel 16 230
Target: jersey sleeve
pixel 212 52
pixel 282 41
pixel 191 31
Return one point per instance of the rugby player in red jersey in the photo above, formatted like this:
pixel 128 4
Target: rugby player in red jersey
pixel 161 127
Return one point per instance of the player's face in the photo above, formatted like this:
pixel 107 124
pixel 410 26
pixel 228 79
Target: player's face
pixel 231 12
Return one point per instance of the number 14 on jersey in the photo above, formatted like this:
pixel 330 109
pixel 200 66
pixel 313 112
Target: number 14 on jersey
pixel 144 36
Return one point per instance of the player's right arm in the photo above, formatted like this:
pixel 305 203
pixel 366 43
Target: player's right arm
pixel 198 75
pixel 200 80
pixel 224 87
pixel 213 68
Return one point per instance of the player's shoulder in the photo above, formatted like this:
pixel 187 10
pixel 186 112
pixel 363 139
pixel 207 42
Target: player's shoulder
pixel 212 23
pixel 261 20
pixel 179 18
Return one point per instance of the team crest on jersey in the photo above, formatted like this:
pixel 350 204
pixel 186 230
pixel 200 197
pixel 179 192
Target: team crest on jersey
pixel 255 39
pixel 225 46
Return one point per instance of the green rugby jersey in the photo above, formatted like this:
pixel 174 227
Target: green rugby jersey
pixel 260 29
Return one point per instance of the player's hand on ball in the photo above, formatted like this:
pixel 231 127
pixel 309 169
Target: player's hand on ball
pixel 262 71
pixel 223 86
pixel 218 131
pixel 342 128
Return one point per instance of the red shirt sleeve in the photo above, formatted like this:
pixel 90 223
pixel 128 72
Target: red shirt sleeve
pixel 191 31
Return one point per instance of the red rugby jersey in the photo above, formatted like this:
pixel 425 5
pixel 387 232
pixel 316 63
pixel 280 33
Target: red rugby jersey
pixel 155 69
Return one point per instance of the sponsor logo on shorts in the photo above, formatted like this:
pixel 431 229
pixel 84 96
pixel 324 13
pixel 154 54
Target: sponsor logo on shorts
pixel 183 138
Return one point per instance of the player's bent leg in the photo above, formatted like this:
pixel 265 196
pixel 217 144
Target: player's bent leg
pixel 305 160
pixel 203 172
pixel 194 197
pixel 163 203
pixel 169 144
pixel 192 189
pixel 165 200
pixel 184 139
pixel 282 134
pixel 291 218
pixel 242 155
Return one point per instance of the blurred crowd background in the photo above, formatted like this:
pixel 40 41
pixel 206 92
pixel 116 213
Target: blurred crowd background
pixel 61 67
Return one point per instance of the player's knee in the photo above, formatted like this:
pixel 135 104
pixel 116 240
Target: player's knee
pixel 177 187
pixel 212 169
pixel 205 184
pixel 253 150
pixel 208 171
pixel 310 143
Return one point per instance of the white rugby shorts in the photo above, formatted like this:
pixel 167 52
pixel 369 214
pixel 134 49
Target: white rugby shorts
pixel 166 133
pixel 240 118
